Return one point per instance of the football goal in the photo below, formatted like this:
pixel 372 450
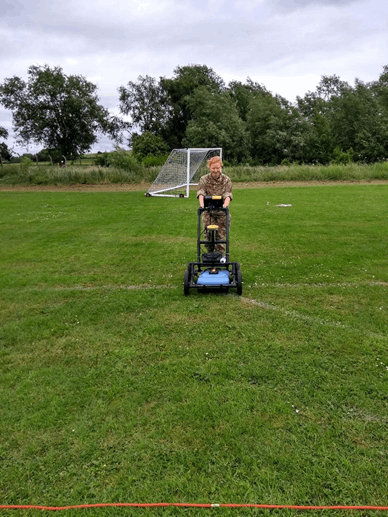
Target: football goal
pixel 182 169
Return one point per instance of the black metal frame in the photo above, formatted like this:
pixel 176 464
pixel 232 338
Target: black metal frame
pixel 212 263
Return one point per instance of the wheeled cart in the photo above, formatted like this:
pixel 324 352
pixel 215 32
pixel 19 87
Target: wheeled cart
pixel 212 270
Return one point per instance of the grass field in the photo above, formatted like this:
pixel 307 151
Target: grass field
pixel 114 387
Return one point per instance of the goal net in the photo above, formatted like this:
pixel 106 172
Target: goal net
pixel 182 169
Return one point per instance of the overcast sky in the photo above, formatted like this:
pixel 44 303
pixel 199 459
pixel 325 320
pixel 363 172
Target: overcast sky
pixel 286 45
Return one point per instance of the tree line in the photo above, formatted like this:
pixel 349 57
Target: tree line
pixel 195 108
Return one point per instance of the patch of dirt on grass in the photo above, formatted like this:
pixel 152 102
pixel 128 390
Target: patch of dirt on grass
pixel 128 187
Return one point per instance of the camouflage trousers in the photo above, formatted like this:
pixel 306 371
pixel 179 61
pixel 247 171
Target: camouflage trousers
pixel 218 218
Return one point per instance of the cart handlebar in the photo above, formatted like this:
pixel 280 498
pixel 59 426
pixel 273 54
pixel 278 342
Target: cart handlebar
pixel 213 209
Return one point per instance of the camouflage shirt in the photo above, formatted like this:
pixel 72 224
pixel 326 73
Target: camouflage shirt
pixel 208 186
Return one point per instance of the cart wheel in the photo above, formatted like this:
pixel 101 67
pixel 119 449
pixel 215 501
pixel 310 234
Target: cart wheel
pixel 239 282
pixel 186 283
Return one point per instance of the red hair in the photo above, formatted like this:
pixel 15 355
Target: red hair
pixel 215 159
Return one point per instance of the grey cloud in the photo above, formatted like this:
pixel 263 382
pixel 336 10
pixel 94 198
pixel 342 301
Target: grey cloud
pixel 297 4
pixel 11 9
pixel 63 30
pixel 113 44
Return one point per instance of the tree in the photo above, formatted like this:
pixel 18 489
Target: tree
pixel 4 151
pixel 331 86
pixel 59 111
pixel 216 123
pixel 360 124
pixel 146 103
pixel 319 137
pixel 277 130
pixel 242 94
pixel 148 144
pixel 380 89
pixel 3 132
pixel 346 120
pixel 179 89
pixel 52 155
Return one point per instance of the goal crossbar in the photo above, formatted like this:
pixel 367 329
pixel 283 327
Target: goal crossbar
pixel 182 169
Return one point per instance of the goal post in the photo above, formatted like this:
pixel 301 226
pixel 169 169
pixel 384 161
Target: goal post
pixel 182 169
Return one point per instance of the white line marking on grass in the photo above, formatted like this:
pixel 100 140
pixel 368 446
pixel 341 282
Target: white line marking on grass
pixel 323 284
pixel 309 319
pixel 149 286
pixel 293 314
pixel 94 288
pixel 114 287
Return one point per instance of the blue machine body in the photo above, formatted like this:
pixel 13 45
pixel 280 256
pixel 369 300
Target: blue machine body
pixel 218 278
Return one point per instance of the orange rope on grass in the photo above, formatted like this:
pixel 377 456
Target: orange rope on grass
pixel 190 505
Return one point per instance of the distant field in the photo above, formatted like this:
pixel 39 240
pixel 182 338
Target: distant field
pixel 83 161
pixel 114 387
